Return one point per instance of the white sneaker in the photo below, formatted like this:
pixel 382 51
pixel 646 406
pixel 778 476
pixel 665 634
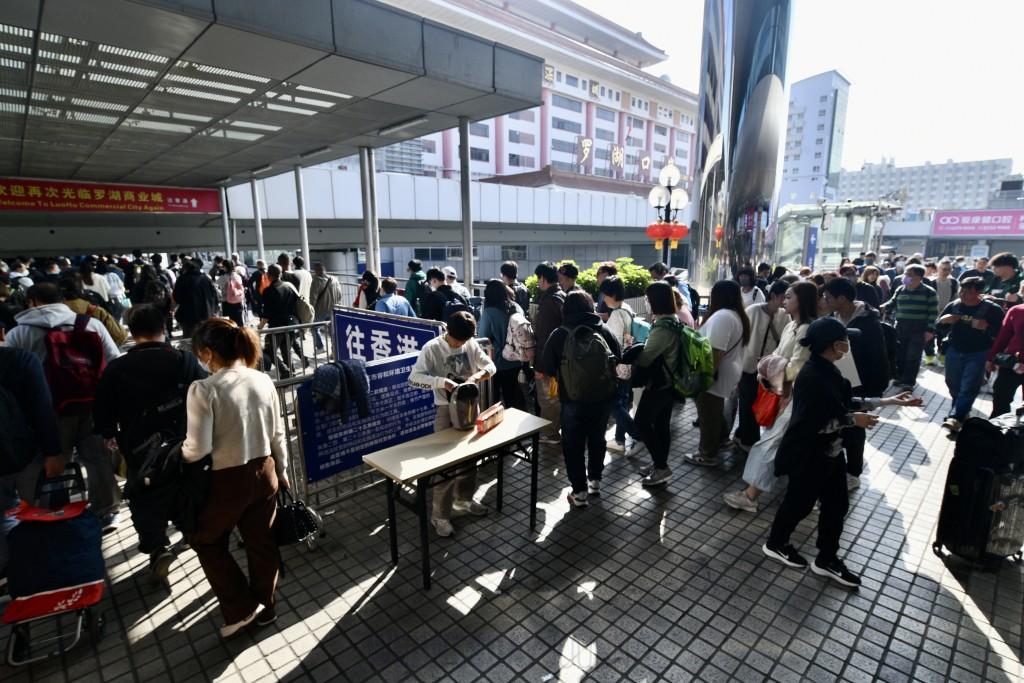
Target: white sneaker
pixel 229 630
pixel 469 507
pixel 852 482
pixel 636 449
pixel 738 500
pixel 952 424
pixel 577 499
pixel 443 527
pixel 616 447
pixel 594 487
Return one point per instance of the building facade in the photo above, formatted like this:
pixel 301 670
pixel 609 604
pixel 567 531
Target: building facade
pixel 602 113
pixel 949 186
pixel 814 139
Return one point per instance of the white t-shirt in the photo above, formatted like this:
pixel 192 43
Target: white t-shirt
pixel 725 331
pixel 754 296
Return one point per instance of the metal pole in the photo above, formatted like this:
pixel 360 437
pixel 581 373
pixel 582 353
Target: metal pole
pixel 467 215
pixel 224 221
pixel 367 178
pixel 258 220
pixel 666 253
pixel 300 199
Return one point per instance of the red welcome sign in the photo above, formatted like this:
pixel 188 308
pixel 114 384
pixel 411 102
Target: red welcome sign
pixel 31 194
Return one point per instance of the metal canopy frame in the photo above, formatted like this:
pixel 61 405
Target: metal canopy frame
pixel 205 92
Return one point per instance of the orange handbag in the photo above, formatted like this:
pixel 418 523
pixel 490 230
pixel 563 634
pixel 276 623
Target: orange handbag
pixel 766 406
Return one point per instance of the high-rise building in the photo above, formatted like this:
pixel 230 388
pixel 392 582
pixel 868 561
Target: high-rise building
pixel 603 114
pixel 814 139
pixel 952 185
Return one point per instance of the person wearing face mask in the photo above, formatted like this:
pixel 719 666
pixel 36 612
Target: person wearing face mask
pixel 749 290
pixel 811 452
pixel 946 288
pixel 915 307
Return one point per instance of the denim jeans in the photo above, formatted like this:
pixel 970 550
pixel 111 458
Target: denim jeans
pixel 318 340
pixel 583 444
pixel 620 412
pixel 965 371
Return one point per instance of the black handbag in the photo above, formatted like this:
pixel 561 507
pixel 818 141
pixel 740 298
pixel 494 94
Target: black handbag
pixel 295 521
pixel 1005 360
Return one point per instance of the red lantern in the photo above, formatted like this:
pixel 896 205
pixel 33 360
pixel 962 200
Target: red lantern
pixel 678 232
pixel 719 233
pixel 658 232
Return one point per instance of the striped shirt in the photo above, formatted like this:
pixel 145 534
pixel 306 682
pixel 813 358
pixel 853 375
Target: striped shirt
pixel 915 305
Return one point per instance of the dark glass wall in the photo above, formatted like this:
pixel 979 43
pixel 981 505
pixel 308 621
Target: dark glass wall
pixel 741 117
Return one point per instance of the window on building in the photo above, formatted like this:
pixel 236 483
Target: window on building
pixel 682 152
pixel 455 253
pixel 682 136
pixel 481 130
pixel 563 165
pixel 525 115
pixel 796 157
pixel 618 95
pixel 563 146
pixel 817 155
pixel 661 130
pixel 603 134
pixel 521 137
pixel 819 141
pixel 637 123
pixel 634 142
pixel 822 112
pixel 604 114
pixel 520 160
pixel 823 98
pixel 647 106
pixel 571 81
pixel 516 252
pixel 566 103
pixel 603 153
pixel 816 169
pixel 799 130
pixel 658 147
pixel 562 124
pixel 430 254
pixel 785 158
pixel 430 146
pixel 821 126
pixel 558 76
pixel 602 91
pixel 477 154
pixel 583 86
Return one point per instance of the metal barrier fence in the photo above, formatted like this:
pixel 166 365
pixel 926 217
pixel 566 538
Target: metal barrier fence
pixel 327 494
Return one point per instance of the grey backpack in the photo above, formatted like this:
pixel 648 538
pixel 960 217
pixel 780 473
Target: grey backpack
pixel 464 406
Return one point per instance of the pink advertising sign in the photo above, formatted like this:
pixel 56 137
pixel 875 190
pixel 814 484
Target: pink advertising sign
pixel 979 223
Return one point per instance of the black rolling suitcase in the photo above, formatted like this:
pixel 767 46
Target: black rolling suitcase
pixel 982 514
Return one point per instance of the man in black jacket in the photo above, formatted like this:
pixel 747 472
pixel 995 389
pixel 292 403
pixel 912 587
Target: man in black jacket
pixel 433 302
pixel 550 301
pixel 280 304
pixel 142 394
pixel 195 296
pixel 869 355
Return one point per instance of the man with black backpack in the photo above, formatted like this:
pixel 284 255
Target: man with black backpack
pixel 442 300
pixel 582 353
pixel 74 350
pixel 140 404
pixel 195 297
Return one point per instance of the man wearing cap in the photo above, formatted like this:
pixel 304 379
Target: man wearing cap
pixel 811 452
pixel 451 278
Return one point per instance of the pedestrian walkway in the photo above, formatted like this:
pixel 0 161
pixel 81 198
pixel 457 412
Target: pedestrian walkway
pixel 642 586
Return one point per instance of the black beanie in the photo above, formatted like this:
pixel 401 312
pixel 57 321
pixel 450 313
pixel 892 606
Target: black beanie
pixel 823 333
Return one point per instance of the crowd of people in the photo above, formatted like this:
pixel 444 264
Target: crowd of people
pixel 795 364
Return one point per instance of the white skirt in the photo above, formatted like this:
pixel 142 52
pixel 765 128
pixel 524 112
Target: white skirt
pixel 759 471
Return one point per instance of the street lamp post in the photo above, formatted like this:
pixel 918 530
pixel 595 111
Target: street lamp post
pixel 667 199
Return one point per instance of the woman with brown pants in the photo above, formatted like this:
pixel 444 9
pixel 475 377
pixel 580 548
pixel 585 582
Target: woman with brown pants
pixel 234 415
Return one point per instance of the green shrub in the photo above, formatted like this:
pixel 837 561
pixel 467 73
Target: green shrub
pixel 635 278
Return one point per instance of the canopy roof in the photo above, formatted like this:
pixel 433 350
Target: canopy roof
pixel 169 92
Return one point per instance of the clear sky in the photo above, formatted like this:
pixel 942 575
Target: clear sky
pixel 931 80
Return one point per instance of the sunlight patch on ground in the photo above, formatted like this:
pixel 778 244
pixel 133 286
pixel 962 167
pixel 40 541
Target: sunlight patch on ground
pixel 576 660
pixel 465 600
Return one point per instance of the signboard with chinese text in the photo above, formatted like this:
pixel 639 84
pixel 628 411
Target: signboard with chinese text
pixel 27 194
pixel 549 73
pixel 373 336
pixel 583 149
pixel 978 223
pixel 812 247
pixel 398 413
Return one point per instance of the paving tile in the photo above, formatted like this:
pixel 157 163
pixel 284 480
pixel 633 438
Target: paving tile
pixel 643 585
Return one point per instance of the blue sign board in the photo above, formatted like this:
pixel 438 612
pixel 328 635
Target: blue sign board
pixel 373 336
pixel 812 247
pixel 398 413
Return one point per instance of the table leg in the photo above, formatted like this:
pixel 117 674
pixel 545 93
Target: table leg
pixel 392 521
pixel 534 464
pixel 421 508
pixel 501 477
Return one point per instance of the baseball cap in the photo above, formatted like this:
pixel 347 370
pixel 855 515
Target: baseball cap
pixel 449 272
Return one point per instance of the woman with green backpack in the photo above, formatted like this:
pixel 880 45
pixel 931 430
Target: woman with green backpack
pixel 660 354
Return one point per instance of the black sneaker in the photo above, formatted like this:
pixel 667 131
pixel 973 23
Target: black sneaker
pixel 160 563
pixel 787 555
pixel 266 617
pixel 837 571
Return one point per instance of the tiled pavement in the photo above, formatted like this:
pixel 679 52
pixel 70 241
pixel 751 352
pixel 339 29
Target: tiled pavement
pixel 642 586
